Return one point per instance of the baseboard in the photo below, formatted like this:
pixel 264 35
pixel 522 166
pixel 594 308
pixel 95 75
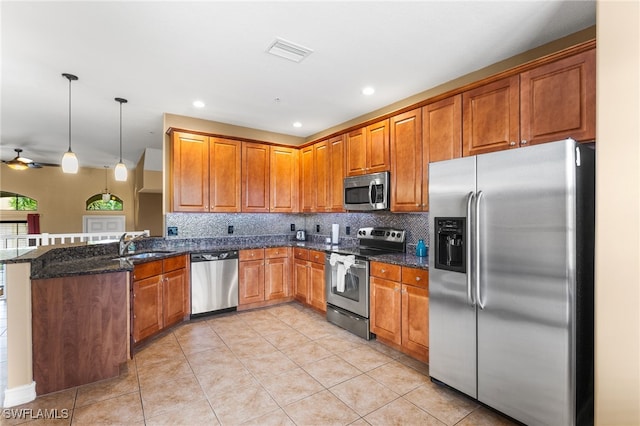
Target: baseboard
pixel 19 395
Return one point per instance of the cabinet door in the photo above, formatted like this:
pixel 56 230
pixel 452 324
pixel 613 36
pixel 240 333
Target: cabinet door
pixel 255 177
pixel 251 282
pixel 174 296
pixel 317 294
pixel 190 172
pixel 301 280
pixel 284 180
pixel 307 180
pixel 385 316
pixel 442 136
pixel 356 152
pixel 147 307
pixel 415 320
pixel 406 161
pixel 277 278
pixel 224 169
pixel 557 100
pixel 378 147
pixel 491 117
pixel 337 165
pixel 322 184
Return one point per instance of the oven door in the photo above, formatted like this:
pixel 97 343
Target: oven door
pixel 353 294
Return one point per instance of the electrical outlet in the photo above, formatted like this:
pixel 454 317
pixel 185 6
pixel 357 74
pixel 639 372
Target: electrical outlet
pixel 172 231
pixel 317 228
pixel 230 229
pixel 293 226
pixel 347 230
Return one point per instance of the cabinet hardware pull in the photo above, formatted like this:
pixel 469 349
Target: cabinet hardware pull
pixel 417 278
pixel 512 143
pixel 382 271
pixel 524 142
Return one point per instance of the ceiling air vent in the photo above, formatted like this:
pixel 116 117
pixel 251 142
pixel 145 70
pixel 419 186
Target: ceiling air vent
pixel 288 50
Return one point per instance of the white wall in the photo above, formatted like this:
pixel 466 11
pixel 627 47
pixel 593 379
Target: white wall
pixel 617 281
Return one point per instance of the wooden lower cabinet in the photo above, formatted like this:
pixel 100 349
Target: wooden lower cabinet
pixel 309 278
pixel 399 313
pixel 264 277
pixel 160 296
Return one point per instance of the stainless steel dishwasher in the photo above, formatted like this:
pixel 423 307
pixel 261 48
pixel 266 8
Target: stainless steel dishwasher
pixel 214 282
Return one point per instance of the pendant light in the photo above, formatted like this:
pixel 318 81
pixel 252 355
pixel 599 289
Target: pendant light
pixel 121 169
pixel 106 196
pixel 69 159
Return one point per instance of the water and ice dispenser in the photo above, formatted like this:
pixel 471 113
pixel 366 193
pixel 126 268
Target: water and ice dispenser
pixel 450 250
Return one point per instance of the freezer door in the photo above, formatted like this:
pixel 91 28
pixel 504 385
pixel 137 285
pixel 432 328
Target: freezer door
pixel 527 282
pixel 452 315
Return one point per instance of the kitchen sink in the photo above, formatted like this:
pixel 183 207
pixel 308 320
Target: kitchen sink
pixel 145 255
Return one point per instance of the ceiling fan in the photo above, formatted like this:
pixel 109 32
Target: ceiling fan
pixel 23 163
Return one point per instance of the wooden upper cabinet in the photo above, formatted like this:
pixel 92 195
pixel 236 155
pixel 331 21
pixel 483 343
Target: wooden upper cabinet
pixel 368 149
pixel 442 137
pixel 224 187
pixel 491 117
pixel 356 152
pixel 189 172
pixel 307 180
pixel 205 173
pixel 255 177
pixel 557 100
pixel 378 147
pixel 284 170
pixel 406 161
pixel 337 165
pixel 322 184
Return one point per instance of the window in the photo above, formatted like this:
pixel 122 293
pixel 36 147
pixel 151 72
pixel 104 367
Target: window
pixel 96 203
pixel 12 201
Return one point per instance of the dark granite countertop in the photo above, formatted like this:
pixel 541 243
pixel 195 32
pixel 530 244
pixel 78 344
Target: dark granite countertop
pixel 82 259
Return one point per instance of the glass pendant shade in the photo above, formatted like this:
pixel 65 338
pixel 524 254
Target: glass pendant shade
pixel 121 172
pixel 69 162
pixel 17 165
pixel 106 197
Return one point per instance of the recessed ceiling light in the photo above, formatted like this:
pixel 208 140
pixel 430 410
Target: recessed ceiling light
pixel 297 124
pixel 368 91
pixel 198 104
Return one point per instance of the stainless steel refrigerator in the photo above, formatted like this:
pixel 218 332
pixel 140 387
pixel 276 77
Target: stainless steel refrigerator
pixel 511 280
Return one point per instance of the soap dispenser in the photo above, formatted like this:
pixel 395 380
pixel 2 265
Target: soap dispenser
pixel 421 249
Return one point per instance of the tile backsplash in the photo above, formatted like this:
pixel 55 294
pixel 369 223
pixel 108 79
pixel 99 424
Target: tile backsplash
pixel 207 225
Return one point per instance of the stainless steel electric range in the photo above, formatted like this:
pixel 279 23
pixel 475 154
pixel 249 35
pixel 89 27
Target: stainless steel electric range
pixel 347 277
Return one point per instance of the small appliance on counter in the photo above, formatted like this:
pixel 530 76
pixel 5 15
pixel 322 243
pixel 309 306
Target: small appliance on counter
pixel 301 235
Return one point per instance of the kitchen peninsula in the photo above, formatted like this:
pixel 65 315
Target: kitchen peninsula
pixel 80 299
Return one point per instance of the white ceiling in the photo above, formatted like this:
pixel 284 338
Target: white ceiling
pixel 162 56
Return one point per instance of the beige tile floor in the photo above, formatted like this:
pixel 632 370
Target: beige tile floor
pixel 283 365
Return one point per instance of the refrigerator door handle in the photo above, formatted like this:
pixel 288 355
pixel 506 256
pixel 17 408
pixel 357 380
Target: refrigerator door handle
pixel 476 253
pixel 469 233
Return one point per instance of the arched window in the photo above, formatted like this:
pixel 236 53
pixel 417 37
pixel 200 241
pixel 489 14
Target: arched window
pixel 97 203
pixel 12 201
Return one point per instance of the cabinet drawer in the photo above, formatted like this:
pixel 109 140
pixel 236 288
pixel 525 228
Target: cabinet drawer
pixel 276 252
pixel 316 256
pixel 254 254
pixel 300 253
pixel 415 277
pixel 174 263
pixel 147 269
pixel 385 270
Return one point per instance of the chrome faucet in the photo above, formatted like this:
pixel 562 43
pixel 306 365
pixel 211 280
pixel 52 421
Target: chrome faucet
pixel 124 246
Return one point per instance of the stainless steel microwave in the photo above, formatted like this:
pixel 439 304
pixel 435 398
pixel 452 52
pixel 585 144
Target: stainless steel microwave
pixel 367 192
